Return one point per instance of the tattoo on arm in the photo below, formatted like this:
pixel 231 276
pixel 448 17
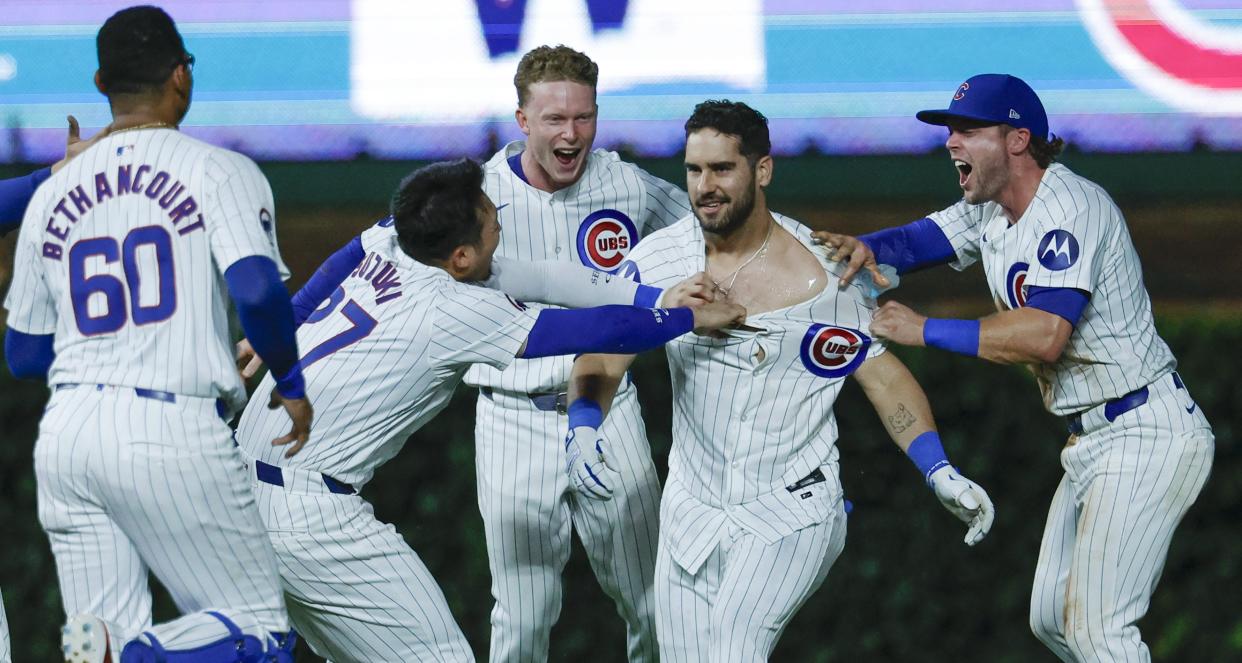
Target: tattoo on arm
pixel 900 420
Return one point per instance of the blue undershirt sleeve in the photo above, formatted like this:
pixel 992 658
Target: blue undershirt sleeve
pixel 29 356
pixel 267 319
pixel 911 247
pixel 326 279
pixel 606 329
pixel 1065 302
pixel 15 194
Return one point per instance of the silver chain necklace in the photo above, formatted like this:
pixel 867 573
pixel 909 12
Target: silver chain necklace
pixel 732 276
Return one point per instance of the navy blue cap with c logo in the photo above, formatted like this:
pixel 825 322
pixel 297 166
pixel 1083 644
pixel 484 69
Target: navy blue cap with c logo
pixel 994 98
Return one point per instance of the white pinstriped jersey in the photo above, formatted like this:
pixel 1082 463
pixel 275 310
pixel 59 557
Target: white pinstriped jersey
pixel 122 255
pixel 1071 236
pixel 386 351
pixel 752 413
pixel 595 222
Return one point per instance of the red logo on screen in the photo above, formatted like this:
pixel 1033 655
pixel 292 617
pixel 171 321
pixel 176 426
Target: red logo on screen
pixel 1169 52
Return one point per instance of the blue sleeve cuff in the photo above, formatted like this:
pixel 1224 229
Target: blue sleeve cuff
pixel 1068 303
pixel 292 384
pixel 29 356
pixel 647 296
pixel 960 336
pixel 265 313
pixel 911 247
pixel 927 454
pixel 325 280
pixel 585 412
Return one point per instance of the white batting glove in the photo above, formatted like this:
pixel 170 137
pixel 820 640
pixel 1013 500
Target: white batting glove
pixel 966 500
pixel 587 468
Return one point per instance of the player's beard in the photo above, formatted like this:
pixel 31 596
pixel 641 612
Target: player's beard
pixel 739 209
pixel 988 180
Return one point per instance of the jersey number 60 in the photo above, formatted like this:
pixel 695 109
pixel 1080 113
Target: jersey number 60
pixel 116 310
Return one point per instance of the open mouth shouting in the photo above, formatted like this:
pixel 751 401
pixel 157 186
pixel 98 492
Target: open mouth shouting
pixel 711 204
pixel 566 156
pixel 963 172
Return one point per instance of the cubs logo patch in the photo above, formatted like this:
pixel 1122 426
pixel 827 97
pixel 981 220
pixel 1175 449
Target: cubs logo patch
pixel 604 239
pixel 1058 250
pixel 1015 285
pixel 629 270
pixel 832 352
pixel 961 91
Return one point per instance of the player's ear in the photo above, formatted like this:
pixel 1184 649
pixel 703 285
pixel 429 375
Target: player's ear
pixel 763 170
pixel 520 116
pixel 1018 140
pixel 99 84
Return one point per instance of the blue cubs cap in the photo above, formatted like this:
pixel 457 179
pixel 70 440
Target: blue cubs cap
pixel 998 98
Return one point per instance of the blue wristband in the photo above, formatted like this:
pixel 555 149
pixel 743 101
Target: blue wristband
pixel 585 412
pixel 960 336
pixel 292 384
pixel 647 296
pixel 927 454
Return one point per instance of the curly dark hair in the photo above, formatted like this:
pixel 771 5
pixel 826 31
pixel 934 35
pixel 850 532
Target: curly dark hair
pixel 734 118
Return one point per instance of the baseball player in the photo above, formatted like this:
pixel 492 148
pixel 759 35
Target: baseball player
pixel 752 517
pixel 568 203
pixel 383 354
pixel 119 301
pixel 1069 290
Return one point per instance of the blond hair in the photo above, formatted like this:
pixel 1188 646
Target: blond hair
pixel 553 63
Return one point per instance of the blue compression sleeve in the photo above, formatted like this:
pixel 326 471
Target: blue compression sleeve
pixel 326 279
pixel 960 336
pixel 585 412
pixel 15 194
pixel 646 296
pixel 911 247
pixel 267 319
pixel 607 329
pixel 29 355
pixel 927 454
pixel 1065 302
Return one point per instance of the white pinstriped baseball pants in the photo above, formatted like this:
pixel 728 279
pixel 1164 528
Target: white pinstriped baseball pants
pixel 5 653
pixel 356 591
pixel 131 485
pixel 529 509
pixel 1126 487
pixel 736 605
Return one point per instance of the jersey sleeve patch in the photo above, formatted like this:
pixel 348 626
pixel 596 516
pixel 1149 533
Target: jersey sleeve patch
pixel 830 351
pixel 1058 250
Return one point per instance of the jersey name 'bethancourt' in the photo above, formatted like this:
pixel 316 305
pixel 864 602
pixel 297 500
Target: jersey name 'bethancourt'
pixel 1071 236
pixel 122 255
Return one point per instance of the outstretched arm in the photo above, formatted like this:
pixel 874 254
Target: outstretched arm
pixel 1026 335
pixel 902 406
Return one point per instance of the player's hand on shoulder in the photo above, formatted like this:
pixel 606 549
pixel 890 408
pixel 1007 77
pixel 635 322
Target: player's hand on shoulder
pixel 248 362
pixel 74 145
pixel 587 465
pixel 854 252
pixel 301 414
pixel 966 500
pixel 713 316
pixel 696 290
pixel 898 323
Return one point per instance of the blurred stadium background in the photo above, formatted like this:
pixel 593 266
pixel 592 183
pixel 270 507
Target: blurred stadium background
pixel 338 99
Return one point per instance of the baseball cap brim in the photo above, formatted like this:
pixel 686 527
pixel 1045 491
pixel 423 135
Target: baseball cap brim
pixel 943 116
